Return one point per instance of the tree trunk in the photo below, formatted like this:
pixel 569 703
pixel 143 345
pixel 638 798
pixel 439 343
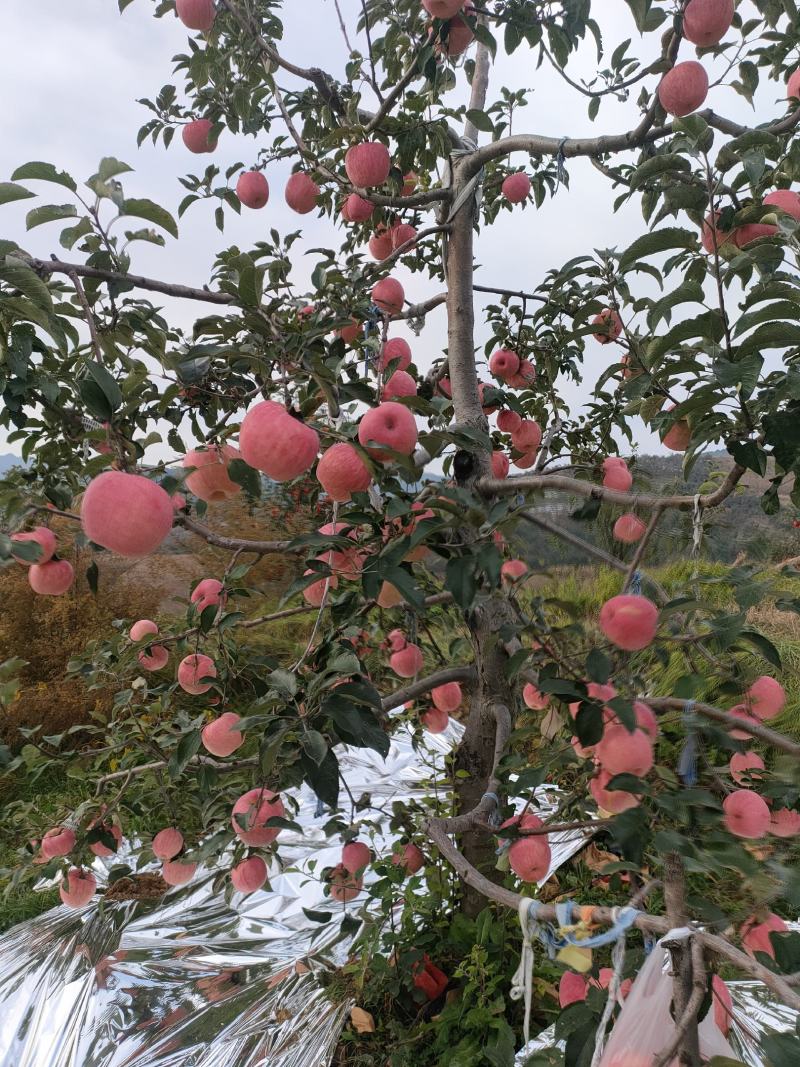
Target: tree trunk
pixel 675 900
pixel 476 754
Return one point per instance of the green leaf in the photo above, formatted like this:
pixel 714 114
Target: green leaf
pixel 782 1050
pixel 742 375
pixel 480 120
pixel 315 745
pixel 460 580
pixel 598 666
pixel 763 645
pixel 93 576
pixel 188 746
pixel 71 234
pixel 589 724
pixel 323 778
pixel 243 474
pixel 10 191
pixel 20 276
pixel 748 454
pixel 658 241
pixel 146 209
pixel 50 213
pixel 107 383
pixel 314 916
pixel 44 172
pixel 110 168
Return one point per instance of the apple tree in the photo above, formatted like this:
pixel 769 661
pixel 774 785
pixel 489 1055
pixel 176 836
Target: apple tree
pixel 131 425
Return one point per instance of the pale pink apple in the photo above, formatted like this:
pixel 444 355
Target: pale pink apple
pixel 705 22
pixel 59 841
pixel 614 801
pixel 629 529
pixel 646 719
pixel 595 691
pixel 712 237
pixel 442 9
pixel 401 234
pixel 410 181
pixel 141 629
pixel 396 640
pixel 126 513
pixel 356 857
pixel 341 472
pixel 785 200
pixel 755 933
pixel 396 350
pixel 389 425
pixel 208 593
pixel 357 209
pixel 527 437
pixel 752 231
pixel 409 857
pixel 302 193
pixel 343 885
pixel 571 989
pixel 388 295
pixel 399 385
pixel 793 85
pixel 504 363
pixel 191 672
pixel 196 14
pixel 41 536
pixel 678 436
pixel 500 465
pixel 209 481
pixel 408 661
pixel 516 188
pixel 176 872
pixel 77 888
pixel 52 578
pixel 153 658
pixel 389 596
pixel 529 857
pixel 744 767
pixel 526 460
pixel 525 376
pixel 766 697
pixel 514 569
pixel 460 35
pixel 252 811
pixel 249 875
pixel 273 441
pixel 508 421
pixel 167 843
pixel 99 849
pixel 723 1004
pixel 447 697
pixel 380 244
pixel 350 334
pixel 746 814
pixel 368 164
pixel 435 720
pixel 252 188
pixel 785 822
pixel 616 474
pixel 629 622
pixel 609 326
pixel 683 89
pixel 533 699
pixel 221 737
pixel 623 752
pixel 197 137
pixel 314 594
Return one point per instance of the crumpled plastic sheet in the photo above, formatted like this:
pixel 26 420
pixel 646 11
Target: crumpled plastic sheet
pixel 192 981
pixel 755 1014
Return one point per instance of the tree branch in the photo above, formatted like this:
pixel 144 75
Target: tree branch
pixel 532 482
pixel 241 544
pixel 424 685
pixel 708 711
pixel 45 267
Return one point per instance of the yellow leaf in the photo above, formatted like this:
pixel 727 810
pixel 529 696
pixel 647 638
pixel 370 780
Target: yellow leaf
pixel 362 1021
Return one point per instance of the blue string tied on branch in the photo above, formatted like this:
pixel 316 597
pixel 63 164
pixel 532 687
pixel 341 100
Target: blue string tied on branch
pixel 562 176
pixel 636 583
pixel 494 818
pixel 687 761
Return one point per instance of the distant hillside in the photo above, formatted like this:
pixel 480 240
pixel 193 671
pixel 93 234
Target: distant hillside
pixel 739 527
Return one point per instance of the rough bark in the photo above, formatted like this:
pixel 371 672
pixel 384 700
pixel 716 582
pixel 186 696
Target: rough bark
pixel 675 900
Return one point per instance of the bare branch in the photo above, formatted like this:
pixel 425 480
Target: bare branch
pixel 261 548
pixel 87 311
pixel 424 685
pixel 45 267
pixel 641 548
pixel 708 711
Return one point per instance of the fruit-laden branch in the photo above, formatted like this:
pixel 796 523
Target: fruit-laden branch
pixel 195 761
pixel 532 482
pixel 424 685
pixel 610 144
pixel 708 711
pixel 650 924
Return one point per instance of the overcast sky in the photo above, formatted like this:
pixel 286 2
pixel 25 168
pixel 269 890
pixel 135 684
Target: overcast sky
pixel 77 103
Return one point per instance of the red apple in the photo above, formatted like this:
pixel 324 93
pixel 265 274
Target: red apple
pixel 41 536
pixel 52 578
pixel 273 441
pixel 252 188
pixel 192 669
pixel 301 193
pixel 197 136
pixel 249 875
pixel 126 513
pixel 221 737
pixel 684 88
pixel 368 164
pixel 255 808
pixel 389 425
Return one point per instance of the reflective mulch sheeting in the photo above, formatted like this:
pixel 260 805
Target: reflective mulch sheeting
pixel 192 981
